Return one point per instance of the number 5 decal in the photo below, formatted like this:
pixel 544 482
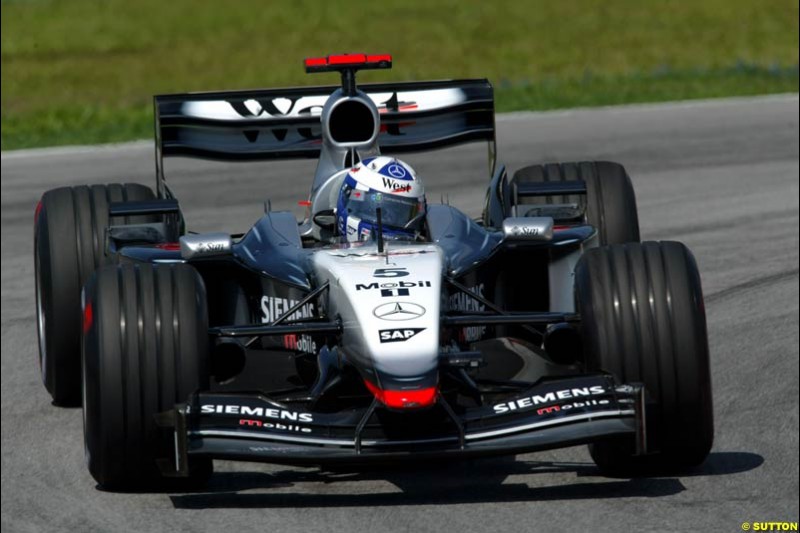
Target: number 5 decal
pixel 390 272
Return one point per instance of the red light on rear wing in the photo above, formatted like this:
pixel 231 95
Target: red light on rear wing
pixel 348 61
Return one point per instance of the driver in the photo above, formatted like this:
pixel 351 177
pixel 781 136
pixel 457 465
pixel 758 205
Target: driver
pixel 385 183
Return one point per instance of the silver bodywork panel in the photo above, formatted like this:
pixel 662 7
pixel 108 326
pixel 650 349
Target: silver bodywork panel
pixel 389 305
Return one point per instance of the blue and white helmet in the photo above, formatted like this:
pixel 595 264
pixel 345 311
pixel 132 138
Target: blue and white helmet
pixel 385 183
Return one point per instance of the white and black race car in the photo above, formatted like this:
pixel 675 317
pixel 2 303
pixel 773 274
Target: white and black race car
pixel 545 323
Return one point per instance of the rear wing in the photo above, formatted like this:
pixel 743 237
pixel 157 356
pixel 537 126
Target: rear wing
pixel 285 123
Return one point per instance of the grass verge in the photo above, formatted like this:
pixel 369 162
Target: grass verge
pixel 81 71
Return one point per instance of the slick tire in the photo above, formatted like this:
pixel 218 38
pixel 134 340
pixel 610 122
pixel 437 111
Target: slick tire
pixel 145 348
pixel 69 234
pixel 643 321
pixel 610 200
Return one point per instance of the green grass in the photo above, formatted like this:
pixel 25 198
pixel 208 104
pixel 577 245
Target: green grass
pixel 655 86
pixel 83 71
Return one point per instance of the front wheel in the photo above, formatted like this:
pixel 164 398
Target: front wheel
pixel 643 320
pixel 145 349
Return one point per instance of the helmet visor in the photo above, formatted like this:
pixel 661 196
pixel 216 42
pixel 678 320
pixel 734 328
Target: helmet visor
pixel 397 212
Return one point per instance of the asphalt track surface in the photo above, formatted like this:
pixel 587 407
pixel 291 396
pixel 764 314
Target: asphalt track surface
pixel 722 176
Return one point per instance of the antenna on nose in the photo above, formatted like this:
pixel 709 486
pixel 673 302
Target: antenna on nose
pixel 379 221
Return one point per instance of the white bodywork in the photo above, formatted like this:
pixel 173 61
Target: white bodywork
pixel 389 305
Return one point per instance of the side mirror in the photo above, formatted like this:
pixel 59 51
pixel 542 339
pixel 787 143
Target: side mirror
pixel 528 228
pixel 325 219
pixel 205 245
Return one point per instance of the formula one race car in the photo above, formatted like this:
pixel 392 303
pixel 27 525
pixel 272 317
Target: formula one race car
pixel 381 326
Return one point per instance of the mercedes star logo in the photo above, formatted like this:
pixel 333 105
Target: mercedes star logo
pixel 396 171
pixel 399 311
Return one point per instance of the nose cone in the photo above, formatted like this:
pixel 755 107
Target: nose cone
pixel 389 305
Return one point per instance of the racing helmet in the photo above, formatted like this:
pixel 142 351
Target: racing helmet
pixel 386 183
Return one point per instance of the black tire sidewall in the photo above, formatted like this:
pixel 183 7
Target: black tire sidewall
pixel 643 320
pixel 58 284
pixel 69 235
pixel 611 204
pixel 130 376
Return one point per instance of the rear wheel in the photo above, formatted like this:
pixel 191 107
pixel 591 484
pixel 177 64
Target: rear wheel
pixel 610 200
pixel 69 244
pixel 145 349
pixel 643 320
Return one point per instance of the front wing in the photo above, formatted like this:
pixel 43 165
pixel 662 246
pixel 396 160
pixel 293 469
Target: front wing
pixel 551 414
